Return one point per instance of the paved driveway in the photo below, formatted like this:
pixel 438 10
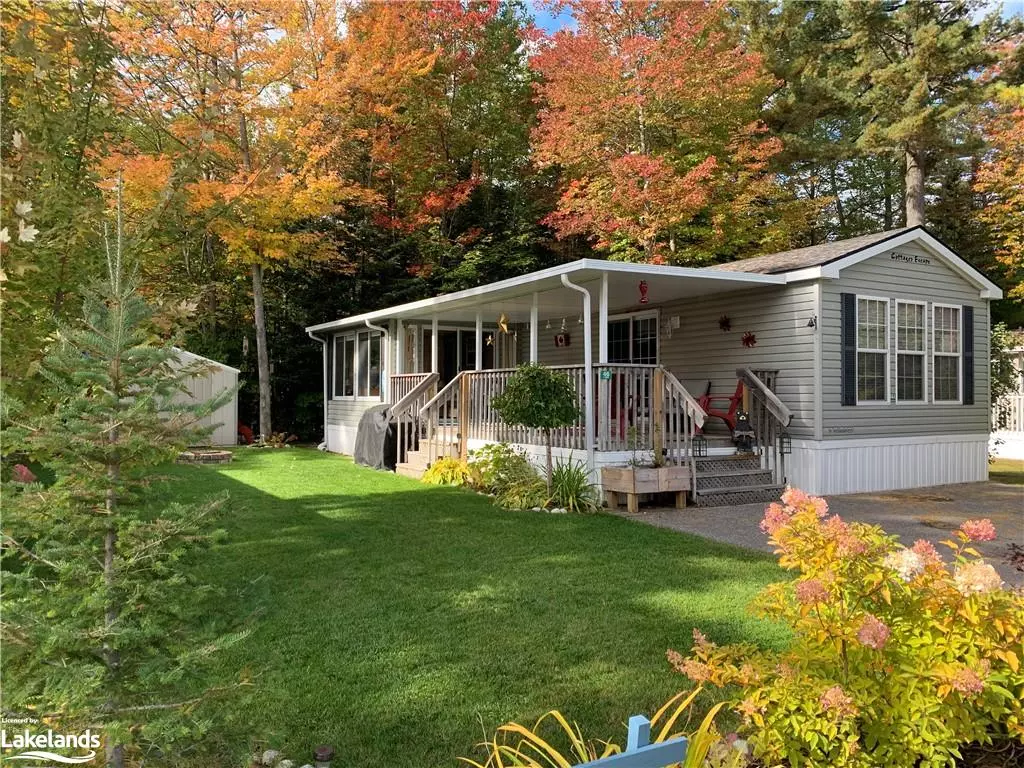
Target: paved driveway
pixel 925 513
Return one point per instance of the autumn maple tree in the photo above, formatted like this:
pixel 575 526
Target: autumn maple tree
pixel 230 93
pixel 1001 179
pixel 651 112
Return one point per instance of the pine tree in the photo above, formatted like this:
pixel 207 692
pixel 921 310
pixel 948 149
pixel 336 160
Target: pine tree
pixel 101 615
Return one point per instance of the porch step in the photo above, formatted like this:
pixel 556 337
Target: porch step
pixel 710 465
pixel 740 494
pixel 734 478
pixel 409 471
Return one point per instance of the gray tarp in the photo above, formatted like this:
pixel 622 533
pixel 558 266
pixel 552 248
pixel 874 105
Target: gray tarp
pixel 375 439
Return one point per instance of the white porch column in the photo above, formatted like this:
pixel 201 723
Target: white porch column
pixel 433 345
pixel 534 322
pixel 602 321
pixel 588 372
pixel 603 386
pixel 400 352
pixel 479 358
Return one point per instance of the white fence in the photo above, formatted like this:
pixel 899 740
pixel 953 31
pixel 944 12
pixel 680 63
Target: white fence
pixel 1008 414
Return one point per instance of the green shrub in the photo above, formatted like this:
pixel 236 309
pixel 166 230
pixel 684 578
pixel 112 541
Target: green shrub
pixel 571 488
pixel 897 659
pixel 499 466
pixel 527 493
pixel 539 398
pixel 449 471
pixel 554 741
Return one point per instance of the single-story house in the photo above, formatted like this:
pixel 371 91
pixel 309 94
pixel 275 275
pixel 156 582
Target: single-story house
pixel 863 364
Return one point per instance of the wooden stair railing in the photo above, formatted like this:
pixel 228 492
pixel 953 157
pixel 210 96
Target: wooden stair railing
pixel 680 415
pixel 441 419
pixel 769 417
pixel 406 412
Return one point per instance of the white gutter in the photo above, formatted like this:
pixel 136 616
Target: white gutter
pixel 588 372
pixel 326 381
pixel 385 384
pixel 524 285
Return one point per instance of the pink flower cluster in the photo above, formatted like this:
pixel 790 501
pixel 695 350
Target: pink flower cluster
pixel 811 591
pixel 969 682
pixel 775 517
pixel 906 562
pixel 927 552
pixel 794 497
pixel 976 578
pixel 836 699
pixel 695 670
pixel 978 530
pixel 22 474
pixel 873 633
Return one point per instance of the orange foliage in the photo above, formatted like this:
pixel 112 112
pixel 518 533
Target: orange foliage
pixel 650 110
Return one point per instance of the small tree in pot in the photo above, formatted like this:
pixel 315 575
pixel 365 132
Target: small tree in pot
pixel 539 398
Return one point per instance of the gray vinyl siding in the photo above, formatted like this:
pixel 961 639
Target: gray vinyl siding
pixel 700 351
pixel 933 282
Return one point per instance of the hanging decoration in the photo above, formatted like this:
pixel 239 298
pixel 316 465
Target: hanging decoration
pixel 563 325
pixel 503 323
pixel 643 291
pixel 490 339
pixel 725 323
pixel 749 339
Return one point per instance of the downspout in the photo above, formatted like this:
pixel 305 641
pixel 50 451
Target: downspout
pixel 385 382
pixel 588 373
pixel 326 380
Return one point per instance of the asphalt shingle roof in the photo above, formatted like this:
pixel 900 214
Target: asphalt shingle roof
pixel 811 256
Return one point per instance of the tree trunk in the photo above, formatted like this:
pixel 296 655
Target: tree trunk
pixel 915 190
pixel 547 445
pixel 887 183
pixel 262 358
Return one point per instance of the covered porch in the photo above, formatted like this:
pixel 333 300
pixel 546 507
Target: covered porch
pixel 610 328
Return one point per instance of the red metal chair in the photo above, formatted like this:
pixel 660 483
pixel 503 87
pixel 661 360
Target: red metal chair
pixel 712 404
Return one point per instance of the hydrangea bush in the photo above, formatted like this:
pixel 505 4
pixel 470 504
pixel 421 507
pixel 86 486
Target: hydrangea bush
pixel 898 658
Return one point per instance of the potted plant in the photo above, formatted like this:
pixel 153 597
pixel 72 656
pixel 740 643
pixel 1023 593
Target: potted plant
pixel 640 477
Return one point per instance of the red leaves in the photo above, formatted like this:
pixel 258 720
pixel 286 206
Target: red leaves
pixel 650 110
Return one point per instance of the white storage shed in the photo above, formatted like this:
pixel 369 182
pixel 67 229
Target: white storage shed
pixel 202 388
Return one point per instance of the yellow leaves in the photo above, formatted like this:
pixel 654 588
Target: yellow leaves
pixel 1010 657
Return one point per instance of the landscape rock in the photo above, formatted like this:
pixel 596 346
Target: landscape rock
pixel 270 757
pixel 286 764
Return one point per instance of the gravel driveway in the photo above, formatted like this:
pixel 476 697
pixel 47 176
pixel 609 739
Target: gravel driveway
pixel 924 513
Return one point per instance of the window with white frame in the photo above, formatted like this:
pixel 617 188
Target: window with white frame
pixel 910 351
pixel 872 350
pixel 946 346
pixel 633 339
pixel 357 364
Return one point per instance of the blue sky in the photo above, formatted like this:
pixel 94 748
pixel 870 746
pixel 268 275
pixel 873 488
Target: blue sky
pixel 552 23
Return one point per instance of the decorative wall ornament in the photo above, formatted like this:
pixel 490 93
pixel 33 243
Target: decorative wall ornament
pixel 749 339
pixel 725 323
pixel 643 291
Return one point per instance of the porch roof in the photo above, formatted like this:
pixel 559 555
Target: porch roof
pixel 514 297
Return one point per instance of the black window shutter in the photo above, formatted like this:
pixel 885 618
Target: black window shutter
pixel 968 355
pixel 848 365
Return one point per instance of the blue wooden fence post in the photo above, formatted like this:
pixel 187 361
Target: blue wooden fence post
pixel 640 753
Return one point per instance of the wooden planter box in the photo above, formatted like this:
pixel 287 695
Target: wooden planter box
pixel 636 480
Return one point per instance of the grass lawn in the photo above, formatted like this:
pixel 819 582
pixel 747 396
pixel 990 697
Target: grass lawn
pixel 1007 471
pixel 400 622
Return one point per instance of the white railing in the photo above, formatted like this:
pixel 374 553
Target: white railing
pixel 682 416
pixel 406 411
pixel 440 419
pixel 403 383
pixel 639 408
pixel 1008 414
pixel 769 417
